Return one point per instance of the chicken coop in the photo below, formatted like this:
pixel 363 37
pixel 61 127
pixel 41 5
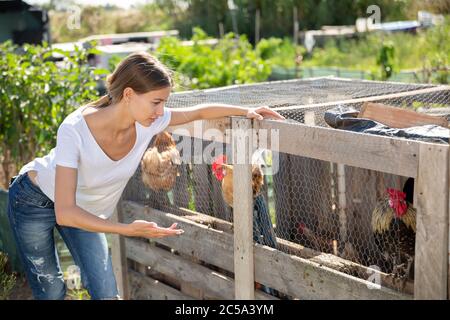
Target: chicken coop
pixel 296 208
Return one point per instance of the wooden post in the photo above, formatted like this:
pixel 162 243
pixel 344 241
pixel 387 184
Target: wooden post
pixel 119 258
pixel 342 202
pixel 448 235
pixel 242 148
pixel 431 258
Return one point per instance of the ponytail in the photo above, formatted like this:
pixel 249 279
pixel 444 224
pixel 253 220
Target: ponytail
pixel 104 101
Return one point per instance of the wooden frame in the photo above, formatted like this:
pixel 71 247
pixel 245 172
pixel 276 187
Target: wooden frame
pixel 428 163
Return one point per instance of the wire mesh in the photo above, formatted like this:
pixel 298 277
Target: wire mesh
pixel 309 206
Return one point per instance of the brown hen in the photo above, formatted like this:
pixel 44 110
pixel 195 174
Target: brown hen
pixel 160 163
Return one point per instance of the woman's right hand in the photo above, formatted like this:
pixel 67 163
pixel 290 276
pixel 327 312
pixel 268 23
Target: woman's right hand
pixel 146 229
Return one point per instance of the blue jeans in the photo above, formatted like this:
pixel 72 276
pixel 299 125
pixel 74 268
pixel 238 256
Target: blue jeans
pixel 32 217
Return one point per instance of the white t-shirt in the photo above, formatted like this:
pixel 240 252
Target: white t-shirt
pixel 101 180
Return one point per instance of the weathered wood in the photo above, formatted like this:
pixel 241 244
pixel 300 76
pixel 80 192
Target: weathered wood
pixel 146 288
pixel 397 117
pixel 211 222
pixel 198 240
pixel 272 268
pixel 342 201
pixel 218 129
pixel 310 280
pixel 431 254
pixel 339 264
pixel 242 148
pixel 212 283
pixel 118 257
pixel 385 154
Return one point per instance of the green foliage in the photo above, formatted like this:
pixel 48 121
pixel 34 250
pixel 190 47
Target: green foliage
pixel 385 60
pixel 78 294
pixel 428 50
pixel 7 281
pixel 269 48
pixel 36 94
pixel 201 66
pixel 101 20
pixel 113 62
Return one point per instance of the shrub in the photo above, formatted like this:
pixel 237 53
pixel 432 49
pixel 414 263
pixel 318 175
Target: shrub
pixel 36 94
pixel 7 281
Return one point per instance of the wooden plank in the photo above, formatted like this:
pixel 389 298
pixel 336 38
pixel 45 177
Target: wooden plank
pixel 210 222
pixel 118 257
pixel 397 117
pixel 198 240
pixel 420 92
pixel 147 288
pixel 385 154
pixel 210 130
pixel 431 254
pixel 339 264
pixel 310 280
pixel 242 148
pixel 272 268
pixel 212 283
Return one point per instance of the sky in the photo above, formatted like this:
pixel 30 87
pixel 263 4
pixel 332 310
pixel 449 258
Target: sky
pixel 119 3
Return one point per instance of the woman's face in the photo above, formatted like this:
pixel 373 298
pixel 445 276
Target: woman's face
pixel 147 107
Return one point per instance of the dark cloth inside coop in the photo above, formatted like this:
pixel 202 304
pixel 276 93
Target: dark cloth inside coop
pixel 344 117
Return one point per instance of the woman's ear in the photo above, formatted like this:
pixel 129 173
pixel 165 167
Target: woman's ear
pixel 128 93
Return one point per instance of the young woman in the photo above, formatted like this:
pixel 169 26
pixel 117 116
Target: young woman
pixel 76 187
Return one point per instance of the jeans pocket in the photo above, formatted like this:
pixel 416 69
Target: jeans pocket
pixel 31 195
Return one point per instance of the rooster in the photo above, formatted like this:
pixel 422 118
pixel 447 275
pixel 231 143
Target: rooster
pixel 263 232
pixel 394 228
pixel 160 163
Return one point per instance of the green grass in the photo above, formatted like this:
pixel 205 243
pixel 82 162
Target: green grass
pixel 428 48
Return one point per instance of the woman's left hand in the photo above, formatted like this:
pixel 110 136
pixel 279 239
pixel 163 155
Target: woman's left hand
pixel 261 113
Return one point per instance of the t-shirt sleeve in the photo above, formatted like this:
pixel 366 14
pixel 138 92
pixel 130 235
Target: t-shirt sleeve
pixel 67 151
pixel 161 123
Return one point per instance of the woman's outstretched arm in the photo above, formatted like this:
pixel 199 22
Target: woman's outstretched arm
pixel 71 215
pixel 212 111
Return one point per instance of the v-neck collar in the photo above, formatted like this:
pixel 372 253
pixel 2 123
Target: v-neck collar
pixel 98 146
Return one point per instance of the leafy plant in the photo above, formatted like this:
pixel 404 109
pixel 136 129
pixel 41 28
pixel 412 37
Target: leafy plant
pixel 78 294
pixel 385 60
pixel 7 281
pixel 201 66
pixel 36 94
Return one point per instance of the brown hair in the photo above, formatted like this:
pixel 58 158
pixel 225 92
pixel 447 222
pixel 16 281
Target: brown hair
pixel 140 71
